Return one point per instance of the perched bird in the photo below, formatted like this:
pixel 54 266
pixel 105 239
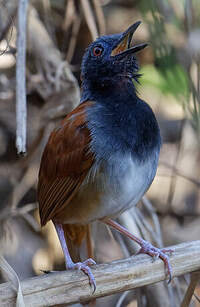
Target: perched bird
pixel 103 157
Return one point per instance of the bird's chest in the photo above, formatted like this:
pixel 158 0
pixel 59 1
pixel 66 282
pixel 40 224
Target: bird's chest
pixel 121 183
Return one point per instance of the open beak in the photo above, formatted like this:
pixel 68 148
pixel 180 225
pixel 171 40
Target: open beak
pixel 122 48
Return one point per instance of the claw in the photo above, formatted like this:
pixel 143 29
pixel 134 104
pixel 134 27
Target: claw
pixel 148 248
pixel 84 266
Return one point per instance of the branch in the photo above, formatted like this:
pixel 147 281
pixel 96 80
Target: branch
pixel 61 87
pixel 21 111
pixel 190 291
pixel 65 288
pixel 89 18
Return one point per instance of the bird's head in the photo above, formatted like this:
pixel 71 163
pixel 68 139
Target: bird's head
pixel 109 57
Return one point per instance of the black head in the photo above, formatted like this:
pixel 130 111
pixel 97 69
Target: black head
pixel 109 57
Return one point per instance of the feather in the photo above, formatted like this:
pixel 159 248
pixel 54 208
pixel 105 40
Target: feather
pixel 65 163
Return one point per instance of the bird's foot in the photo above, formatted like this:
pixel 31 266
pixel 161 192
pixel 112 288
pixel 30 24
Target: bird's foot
pixel 149 249
pixel 85 267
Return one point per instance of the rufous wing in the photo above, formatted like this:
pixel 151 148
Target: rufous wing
pixel 65 162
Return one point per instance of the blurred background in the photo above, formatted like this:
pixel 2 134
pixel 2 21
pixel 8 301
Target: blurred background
pixel 58 31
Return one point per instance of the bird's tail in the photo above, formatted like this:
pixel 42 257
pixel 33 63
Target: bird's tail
pixel 75 235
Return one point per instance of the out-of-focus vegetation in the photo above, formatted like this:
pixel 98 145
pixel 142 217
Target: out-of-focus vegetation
pixel 175 43
pixel 58 31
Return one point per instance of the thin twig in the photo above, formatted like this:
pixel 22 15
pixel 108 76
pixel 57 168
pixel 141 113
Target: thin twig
pixel 173 181
pixel 155 220
pixel 9 25
pixel 188 15
pixel 100 16
pixel 74 35
pixel 70 14
pixel 179 173
pixel 32 222
pixel 47 16
pixel 144 227
pixel 21 109
pixel 89 17
pixel 9 212
pixel 121 299
pixel 10 274
pixel 195 277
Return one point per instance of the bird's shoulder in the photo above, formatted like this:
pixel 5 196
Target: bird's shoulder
pixel 67 146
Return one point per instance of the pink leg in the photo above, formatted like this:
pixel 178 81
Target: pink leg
pixel 83 266
pixel 146 247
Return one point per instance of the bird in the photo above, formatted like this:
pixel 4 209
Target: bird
pixel 103 157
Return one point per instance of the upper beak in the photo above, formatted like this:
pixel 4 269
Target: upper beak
pixel 122 47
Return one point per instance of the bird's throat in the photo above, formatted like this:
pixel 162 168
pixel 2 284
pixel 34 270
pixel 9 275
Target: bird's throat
pixel 107 87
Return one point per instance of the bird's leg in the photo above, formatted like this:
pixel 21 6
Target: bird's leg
pixel 146 247
pixel 83 266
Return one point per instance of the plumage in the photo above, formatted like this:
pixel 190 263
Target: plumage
pixel 65 163
pixel 104 156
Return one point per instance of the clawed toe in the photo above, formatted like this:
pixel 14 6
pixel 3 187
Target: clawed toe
pixel 86 269
pixel 169 251
pixel 155 253
pixel 84 266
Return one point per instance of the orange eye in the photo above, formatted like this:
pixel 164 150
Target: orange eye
pixel 97 51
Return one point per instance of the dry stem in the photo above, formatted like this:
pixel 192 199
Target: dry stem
pixel 72 286
pixel 21 110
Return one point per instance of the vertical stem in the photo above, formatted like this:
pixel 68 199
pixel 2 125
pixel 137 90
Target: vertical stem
pixel 89 17
pixel 198 79
pixel 198 97
pixel 100 17
pixel 21 110
pixel 195 277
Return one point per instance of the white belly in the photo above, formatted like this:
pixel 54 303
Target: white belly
pixel 114 188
